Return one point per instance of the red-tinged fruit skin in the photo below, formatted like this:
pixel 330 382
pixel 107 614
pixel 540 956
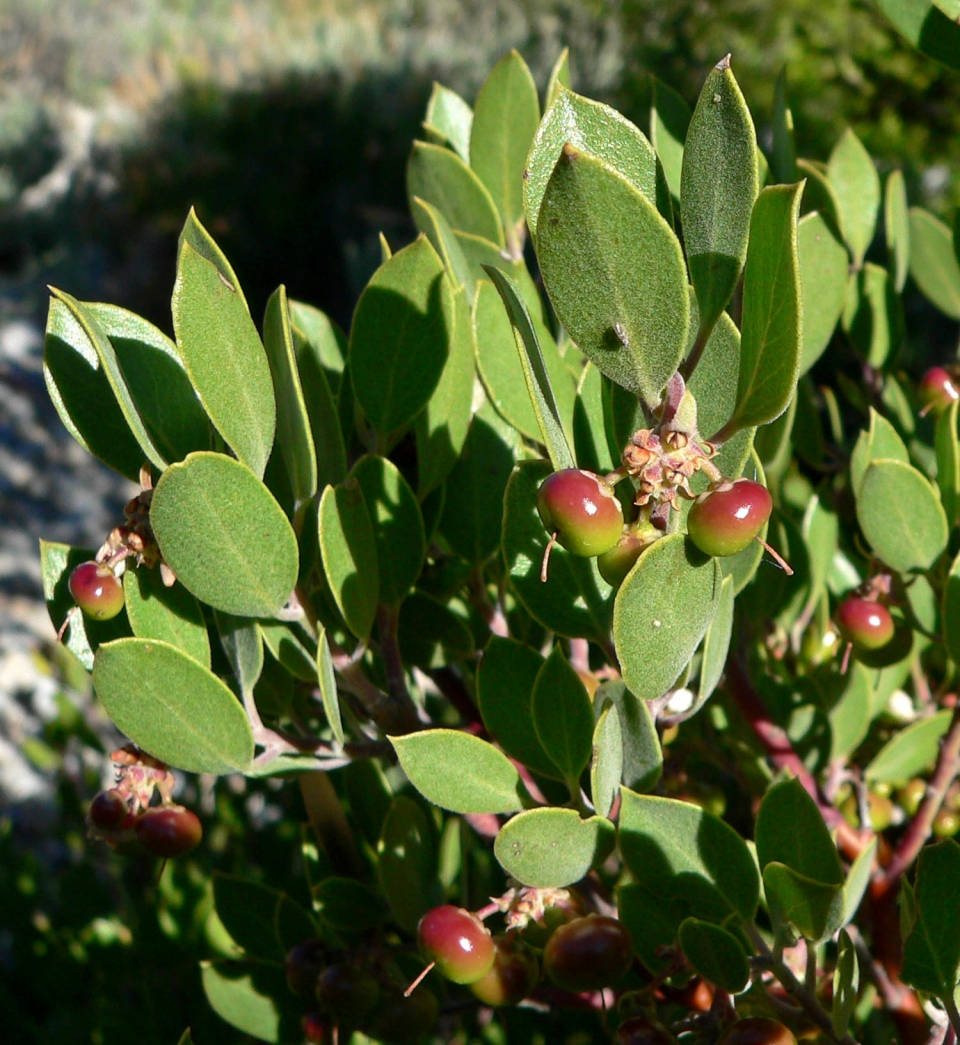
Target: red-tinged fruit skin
pixel 864 623
pixel 638 1030
pixel 588 953
pixel 758 1030
pixel 457 942
pixel 315 1029
pixel 108 811
pixel 725 520
pixel 96 590
pixel 582 509
pixel 169 831
pixel 513 976
pixel 619 560
pixel 937 390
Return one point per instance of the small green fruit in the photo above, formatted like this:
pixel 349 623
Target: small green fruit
pixel 513 976
pixel 725 520
pixel 864 623
pixel 582 510
pixel 457 941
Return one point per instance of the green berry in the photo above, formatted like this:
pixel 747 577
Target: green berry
pixel 457 942
pixel 865 623
pixel 582 509
pixel 618 561
pixel 725 520
pixel 347 994
pixel 513 976
pixel 96 590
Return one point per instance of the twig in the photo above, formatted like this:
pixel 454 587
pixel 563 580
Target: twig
pixel 492 613
pixel 580 655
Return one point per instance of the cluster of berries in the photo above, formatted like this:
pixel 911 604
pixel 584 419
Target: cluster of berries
pixel 124 817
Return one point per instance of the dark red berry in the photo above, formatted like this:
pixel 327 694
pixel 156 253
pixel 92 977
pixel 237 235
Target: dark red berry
pixel 109 811
pixel 303 965
pixel 96 590
pixel 588 953
pixel 937 390
pixel 347 994
pixel 865 623
pixel 169 831
pixel 399 1019
pixel 457 941
pixel 725 520
pixel 315 1029
pixel 514 974
pixel 638 1030
pixel 758 1030
pixel 582 509
pixel 617 562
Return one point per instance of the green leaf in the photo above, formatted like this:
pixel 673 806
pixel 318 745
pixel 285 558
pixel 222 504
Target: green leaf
pixel 819 195
pixel 156 381
pixel 459 772
pixel 933 263
pixel 328 686
pixel 575 601
pixel 669 121
pixel 951 611
pixel 347 905
pixel 452 117
pixel 442 179
pixel 220 348
pixel 717 955
pixel 901 515
pixel 846 984
pixel 473 508
pixel 850 715
pixel 857 880
pixel 172 707
pixel 808 905
pixel 540 392
pixel 591 450
pixel 442 426
pixel 431 634
pixel 716 644
pixel 559 77
pixel 293 423
pixel 242 642
pixel 607 763
pixel 563 717
pixel 370 796
pixel 313 353
pixel 652 922
pixel 505 119
pixel 252 997
pixel 661 613
pixel 784 156
pixel 718 189
pixel 823 283
pixel 714 381
pixel 590 127
pixel 350 555
pixel 772 336
pixel 896 224
pixel 289 649
pixel 407 863
pixel 909 752
pixel 614 272
pixel 552 848
pixel 401 335
pixel 878 442
pixel 186 1038
pixel 947 443
pixel 397 526
pixel 250 913
pixel 855 181
pixel 873 315
pixel 84 635
pixel 225 537
pixel 682 850
pixel 172 615
pixel 82 396
pixel 642 754
pixel 791 831
pixel 505 681
pixel 437 229
pixel 931 951
pixel 926 27
pixel 326 340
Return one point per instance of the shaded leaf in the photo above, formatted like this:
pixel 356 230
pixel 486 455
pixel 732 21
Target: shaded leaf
pixel 933 263
pixel 931 951
pixel 452 117
pixel 909 752
pixel 896 224
pixel 407 863
pixel 823 283
pixel 442 179
pixel 717 955
pixel 607 761
pixel 350 555
pixel 562 716
pixel 172 615
pixel 669 121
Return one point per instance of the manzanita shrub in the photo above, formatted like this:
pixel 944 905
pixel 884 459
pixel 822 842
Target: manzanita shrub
pixel 685 792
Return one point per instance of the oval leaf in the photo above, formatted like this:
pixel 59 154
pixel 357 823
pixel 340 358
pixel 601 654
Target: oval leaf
pixel 350 555
pixel 896 224
pixel 607 763
pixel 552 848
pixel 909 752
pixel 172 615
pixel 407 862
pixel 823 283
pixel 791 831
pixel 563 717
pixel 448 113
pixel 933 263
pixel 716 954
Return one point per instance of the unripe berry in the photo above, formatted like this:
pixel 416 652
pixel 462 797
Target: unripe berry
pixel 864 623
pixel 946 823
pixel 169 831
pixel 96 590
pixel 588 953
pixel 347 994
pixel 513 976
pixel 582 510
pixel 758 1030
pixel 399 1019
pixel 911 795
pixel 725 520
pixel 303 965
pixel 618 561
pixel 457 942
pixel 937 390
pixel 108 811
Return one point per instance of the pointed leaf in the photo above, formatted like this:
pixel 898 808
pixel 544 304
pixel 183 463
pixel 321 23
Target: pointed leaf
pixel 823 282
pixel 591 450
pixel 857 880
pixel 559 76
pixel 948 461
pixel 316 359
pixel 791 831
pixel 172 707
pixel 669 122
pixel 784 162
pixel 328 686
pixel 873 315
pixel 562 716
pixel 607 763
pixel 552 848
pixel 714 381
pixel 909 752
pixel 846 984
pixel 855 181
pixel 716 644
pixel 896 223
pixel 442 179
pixel 662 611
pixel 459 772
pixel 931 951
pixel 437 229
pixel 451 115
pixel 407 858
pixel 718 190
pixel 806 904
pixel 878 442
pixel 170 614
pixel 926 27
pixel 717 955
pixel 933 263
pixel 327 341
pixel 642 754
pixel 289 649
pixel 350 555
pixel 242 642
pixel 220 348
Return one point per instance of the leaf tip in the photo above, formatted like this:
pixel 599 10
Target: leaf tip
pixel 570 152
pixel 724 63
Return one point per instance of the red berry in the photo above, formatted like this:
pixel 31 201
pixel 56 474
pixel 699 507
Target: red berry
pixel 638 1030
pixel 96 590
pixel 108 811
pixel 758 1030
pixel 314 1028
pixel 582 509
pixel 169 831
pixel 399 1019
pixel 937 390
pixel 865 623
pixel 457 941
pixel 725 520
pixel 588 953
pixel 514 974
pixel 303 965
pixel 615 563
pixel 347 994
